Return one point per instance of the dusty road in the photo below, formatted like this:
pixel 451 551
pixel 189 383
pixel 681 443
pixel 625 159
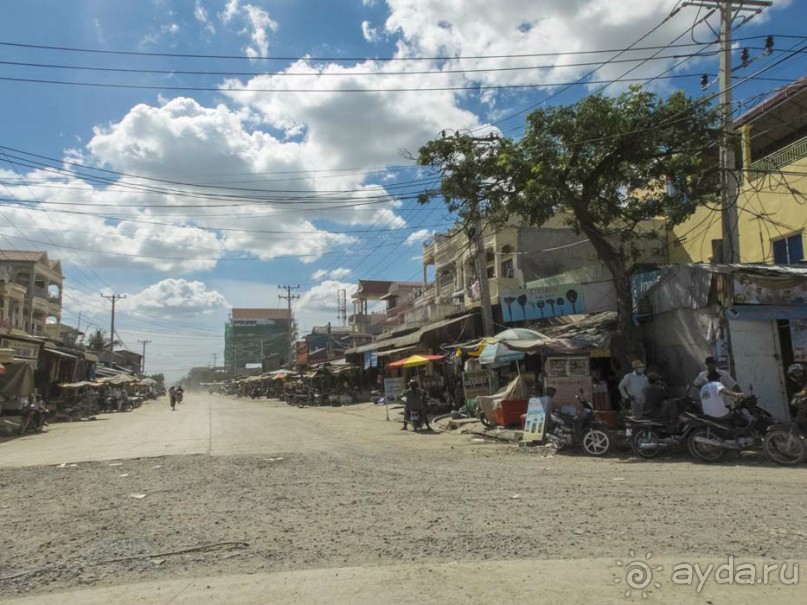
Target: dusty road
pixel 232 500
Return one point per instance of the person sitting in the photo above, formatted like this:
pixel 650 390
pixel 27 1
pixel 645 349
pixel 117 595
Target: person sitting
pixel 657 402
pixel 414 402
pixel 712 401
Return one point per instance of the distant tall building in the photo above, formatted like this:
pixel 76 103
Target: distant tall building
pixel 251 335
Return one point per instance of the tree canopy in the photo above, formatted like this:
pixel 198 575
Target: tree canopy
pixel 606 164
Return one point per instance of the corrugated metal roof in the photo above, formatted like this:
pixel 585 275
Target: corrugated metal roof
pixel 21 255
pixel 414 337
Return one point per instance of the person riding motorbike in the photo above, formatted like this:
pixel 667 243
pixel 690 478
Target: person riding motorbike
pixel 414 402
pixel 712 401
pixel 798 374
pixel 658 404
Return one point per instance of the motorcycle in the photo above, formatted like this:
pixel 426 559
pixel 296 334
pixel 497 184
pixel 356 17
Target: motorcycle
pixel 649 437
pixel 786 444
pixel 584 430
pixel 743 429
pixel 415 420
pixel 34 418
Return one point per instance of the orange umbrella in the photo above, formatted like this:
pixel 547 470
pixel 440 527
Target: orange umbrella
pixel 414 361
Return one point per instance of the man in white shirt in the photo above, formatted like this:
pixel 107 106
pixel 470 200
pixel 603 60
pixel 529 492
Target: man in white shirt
pixel 726 379
pixel 632 386
pixel 712 401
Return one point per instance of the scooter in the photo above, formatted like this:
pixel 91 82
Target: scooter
pixel 743 429
pixel 34 418
pixel 650 437
pixel 786 444
pixel 584 430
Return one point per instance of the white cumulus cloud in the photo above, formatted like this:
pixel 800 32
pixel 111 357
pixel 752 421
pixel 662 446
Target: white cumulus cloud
pixel 369 32
pixel 174 298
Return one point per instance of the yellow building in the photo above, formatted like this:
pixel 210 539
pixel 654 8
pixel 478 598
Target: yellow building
pixel 772 201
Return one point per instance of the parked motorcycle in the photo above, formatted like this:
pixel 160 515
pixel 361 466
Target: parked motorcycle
pixel 786 444
pixel 743 429
pixel 584 430
pixel 34 417
pixel 650 437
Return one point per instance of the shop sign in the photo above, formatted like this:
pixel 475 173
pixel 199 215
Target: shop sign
pixel 542 303
pixel 21 348
pixel 640 284
pixel 476 383
pixel 755 290
pixel 798 336
pixel 535 423
pixel 569 375
pixel 393 388
pixel 242 323
pixel 370 360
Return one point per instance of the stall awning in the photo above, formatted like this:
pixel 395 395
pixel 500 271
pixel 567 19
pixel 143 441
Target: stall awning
pixel 414 337
pixel 371 346
pixel 394 351
pixel 59 353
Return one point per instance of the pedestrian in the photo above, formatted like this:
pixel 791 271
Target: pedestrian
pixel 632 388
pixel 172 394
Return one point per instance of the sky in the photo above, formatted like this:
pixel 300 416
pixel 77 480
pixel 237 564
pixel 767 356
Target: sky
pixel 196 154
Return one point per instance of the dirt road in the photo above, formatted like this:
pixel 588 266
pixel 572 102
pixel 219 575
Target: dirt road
pixel 225 487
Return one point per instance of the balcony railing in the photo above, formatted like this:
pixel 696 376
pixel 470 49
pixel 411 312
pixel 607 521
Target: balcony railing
pixel 790 154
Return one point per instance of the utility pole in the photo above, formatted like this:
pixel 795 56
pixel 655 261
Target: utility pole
pixel 482 276
pixel 288 297
pixel 143 367
pixel 113 298
pixel 728 167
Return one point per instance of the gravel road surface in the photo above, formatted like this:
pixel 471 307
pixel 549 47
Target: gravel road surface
pixel 225 487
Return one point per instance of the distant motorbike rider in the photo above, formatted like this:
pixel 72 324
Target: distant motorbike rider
pixel 414 402
pixel 712 372
pixel 180 393
pixel 632 386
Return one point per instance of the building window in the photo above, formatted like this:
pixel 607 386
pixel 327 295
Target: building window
pixel 507 268
pixel 788 250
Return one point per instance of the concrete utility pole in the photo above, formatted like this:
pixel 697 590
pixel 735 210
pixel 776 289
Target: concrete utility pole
pixel 143 362
pixel 728 164
pixel 288 297
pixel 482 275
pixel 113 298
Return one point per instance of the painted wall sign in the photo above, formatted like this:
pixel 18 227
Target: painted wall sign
pixel 541 303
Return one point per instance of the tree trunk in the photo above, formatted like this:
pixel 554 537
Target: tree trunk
pixel 626 345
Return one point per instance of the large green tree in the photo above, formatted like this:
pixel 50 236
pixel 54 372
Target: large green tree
pixel 604 164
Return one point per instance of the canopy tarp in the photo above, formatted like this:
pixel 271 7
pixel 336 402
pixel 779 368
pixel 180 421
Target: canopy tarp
pixel 18 379
pixel 563 346
pixel 414 361
pixel 516 389
pixel 118 379
pixel 78 385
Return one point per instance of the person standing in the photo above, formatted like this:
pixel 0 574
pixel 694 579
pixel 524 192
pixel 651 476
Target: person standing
pixel 632 388
pixel 712 373
pixel 172 394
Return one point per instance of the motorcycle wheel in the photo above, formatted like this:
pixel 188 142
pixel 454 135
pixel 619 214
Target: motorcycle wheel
pixel 127 407
pixel 24 424
pixel 785 448
pixel 596 442
pixel 703 451
pixel 485 422
pixel 643 436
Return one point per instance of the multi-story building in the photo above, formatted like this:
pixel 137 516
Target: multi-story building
pixel 30 291
pixel 772 200
pixel 251 335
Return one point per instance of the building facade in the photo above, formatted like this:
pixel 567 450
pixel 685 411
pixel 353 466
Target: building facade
pixel 251 335
pixel 30 291
pixel 772 201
